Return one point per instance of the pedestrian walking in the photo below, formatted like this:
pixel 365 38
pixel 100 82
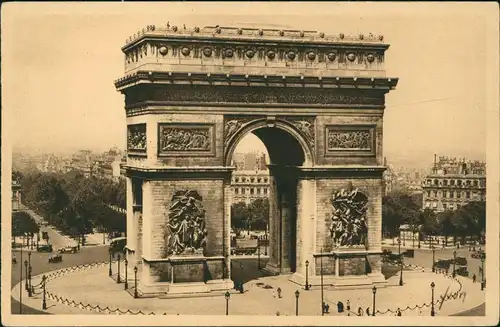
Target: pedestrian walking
pixel 360 311
pixel 474 278
pixel 399 313
pixel 368 311
pixel 279 292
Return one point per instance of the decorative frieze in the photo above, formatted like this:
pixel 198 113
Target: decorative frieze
pixel 348 226
pixel 186 139
pixel 186 230
pixel 350 140
pixel 136 138
pixel 257 95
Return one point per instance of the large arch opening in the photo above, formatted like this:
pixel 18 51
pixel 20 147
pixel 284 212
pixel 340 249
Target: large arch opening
pixel 283 151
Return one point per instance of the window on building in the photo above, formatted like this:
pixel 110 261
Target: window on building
pixel 458 195
pixel 439 194
pixel 467 195
pixel 452 182
pixel 427 204
pixel 265 180
pixel 258 191
pixel 428 193
pixel 252 180
pixel 444 206
pixel 429 181
pixel 475 183
pixel 258 180
pixel 434 204
pixel 251 191
pixel 237 191
pixel 468 183
pixel 445 182
pixel 237 179
pixel 435 193
pixel 265 190
pixel 436 182
pixel 459 183
pixel 452 194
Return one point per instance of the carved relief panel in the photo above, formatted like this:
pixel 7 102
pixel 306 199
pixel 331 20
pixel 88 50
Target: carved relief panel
pixel 352 140
pixel 186 139
pixel 233 124
pixel 186 231
pixel 136 139
pixel 348 226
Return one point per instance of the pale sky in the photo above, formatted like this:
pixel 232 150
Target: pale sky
pixel 59 62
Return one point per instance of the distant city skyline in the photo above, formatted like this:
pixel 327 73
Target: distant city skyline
pixel 60 95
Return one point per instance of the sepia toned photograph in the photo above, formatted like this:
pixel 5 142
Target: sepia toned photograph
pixel 281 163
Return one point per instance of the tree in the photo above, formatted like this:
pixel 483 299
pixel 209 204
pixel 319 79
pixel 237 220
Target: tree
pixel 398 208
pixel 428 219
pixel 446 226
pixel 259 213
pixel 239 215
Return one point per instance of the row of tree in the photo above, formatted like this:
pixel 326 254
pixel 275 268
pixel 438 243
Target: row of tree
pixel 399 208
pixel 252 216
pixel 73 203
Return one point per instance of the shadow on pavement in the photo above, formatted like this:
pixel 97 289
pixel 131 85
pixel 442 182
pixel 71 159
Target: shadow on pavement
pixel 247 269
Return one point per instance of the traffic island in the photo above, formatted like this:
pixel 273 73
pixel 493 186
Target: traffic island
pixel 90 290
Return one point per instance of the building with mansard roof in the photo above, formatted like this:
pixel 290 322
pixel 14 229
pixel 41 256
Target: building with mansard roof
pixel 453 182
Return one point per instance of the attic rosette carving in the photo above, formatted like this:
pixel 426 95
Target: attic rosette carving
pixel 186 228
pixel 349 217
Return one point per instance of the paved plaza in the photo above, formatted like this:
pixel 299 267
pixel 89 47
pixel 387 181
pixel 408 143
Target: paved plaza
pixel 93 287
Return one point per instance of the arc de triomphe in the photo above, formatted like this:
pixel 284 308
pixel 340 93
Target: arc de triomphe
pixel 315 101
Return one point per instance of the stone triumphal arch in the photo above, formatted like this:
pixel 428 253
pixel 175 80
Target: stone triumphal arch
pixel 316 102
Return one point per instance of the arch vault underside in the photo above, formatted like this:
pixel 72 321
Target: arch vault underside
pixel 192 95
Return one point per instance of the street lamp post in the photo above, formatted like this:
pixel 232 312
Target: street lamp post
pixel 110 272
pixel 321 273
pixel 118 278
pixel 30 290
pixel 29 273
pixel 21 288
pixel 126 273
pixel 44 302
pixel 297 294
pixel 374 290
pixel 307 275
pixel 135 282
pixel 401 263
pixel 227 296
pixel 482 272
pixel 454 262
pixel 433 259
pixel 433 313
pixel 26 284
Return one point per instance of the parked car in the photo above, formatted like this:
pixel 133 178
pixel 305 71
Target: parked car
pixel 55 258
pixel 14 260
pixel 409 253
pixel 45 248
pixel 68 249
pixel 461 261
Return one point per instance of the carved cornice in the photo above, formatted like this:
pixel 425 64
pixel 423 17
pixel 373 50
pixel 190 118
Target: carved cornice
pixel 330 172
pixel 179 173
pixel 264 80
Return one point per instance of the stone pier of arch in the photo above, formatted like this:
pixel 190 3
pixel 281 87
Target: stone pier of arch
pixel 316 102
